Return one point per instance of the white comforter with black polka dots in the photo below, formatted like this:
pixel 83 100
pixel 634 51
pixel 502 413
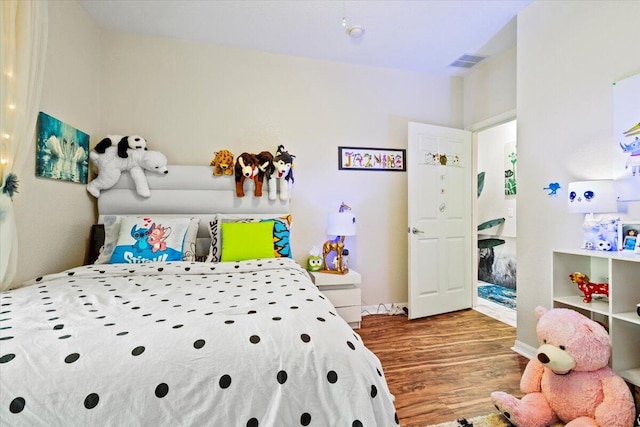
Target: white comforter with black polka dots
pixel 252 343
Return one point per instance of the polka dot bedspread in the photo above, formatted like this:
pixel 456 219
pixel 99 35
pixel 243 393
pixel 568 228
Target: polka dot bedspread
pixel 249 343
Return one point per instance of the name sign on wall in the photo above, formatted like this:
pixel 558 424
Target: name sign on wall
pixel 372 159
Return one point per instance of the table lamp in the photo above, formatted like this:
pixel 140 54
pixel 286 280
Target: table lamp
pixel 589 198
pixel 339 224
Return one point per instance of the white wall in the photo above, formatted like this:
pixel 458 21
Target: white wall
pixel 191 99
pixel 569 54
pixel 490 90
pixel 54 217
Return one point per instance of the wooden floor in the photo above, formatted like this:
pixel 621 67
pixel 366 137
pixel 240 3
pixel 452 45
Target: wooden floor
pixel 444 367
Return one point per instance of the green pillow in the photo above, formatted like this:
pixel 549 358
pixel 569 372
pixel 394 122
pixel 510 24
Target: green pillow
pixel 247 240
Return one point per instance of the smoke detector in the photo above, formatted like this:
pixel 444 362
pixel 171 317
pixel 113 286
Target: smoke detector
pixel 355 31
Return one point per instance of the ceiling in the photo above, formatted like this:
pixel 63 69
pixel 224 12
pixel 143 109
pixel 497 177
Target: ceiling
pixel 417 35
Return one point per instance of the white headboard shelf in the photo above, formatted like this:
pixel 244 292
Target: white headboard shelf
pixel 186 190
pixel 190 191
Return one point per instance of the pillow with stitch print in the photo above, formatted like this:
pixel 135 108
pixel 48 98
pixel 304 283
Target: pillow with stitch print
pixel 147 239
pixel 112 232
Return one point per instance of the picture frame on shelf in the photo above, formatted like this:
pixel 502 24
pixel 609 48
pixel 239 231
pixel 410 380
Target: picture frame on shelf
pixel 629 236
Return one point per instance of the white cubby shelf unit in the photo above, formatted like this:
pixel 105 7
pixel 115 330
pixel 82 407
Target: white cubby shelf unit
pixel 621 270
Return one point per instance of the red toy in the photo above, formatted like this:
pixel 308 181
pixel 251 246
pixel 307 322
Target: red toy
pixel 588 288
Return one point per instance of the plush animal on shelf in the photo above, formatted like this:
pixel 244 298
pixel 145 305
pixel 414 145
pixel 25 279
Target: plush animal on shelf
pixel 124 143
pixel 110 166
pixel 600 232
pixel 314 262
pixel 222 163
pixel 569 380
pixel 283 162
pixel 246 168
pixel 265 171
pixel 587 288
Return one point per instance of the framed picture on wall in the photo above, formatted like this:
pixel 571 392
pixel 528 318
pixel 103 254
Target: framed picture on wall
pixel 372 159
pixel 62 151
pixel 628 239
pixel 510 160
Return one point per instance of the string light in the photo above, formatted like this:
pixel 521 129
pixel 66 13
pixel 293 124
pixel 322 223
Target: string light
pixel 9 108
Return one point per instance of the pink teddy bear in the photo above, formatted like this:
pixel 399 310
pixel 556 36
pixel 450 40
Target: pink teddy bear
pixel 569 380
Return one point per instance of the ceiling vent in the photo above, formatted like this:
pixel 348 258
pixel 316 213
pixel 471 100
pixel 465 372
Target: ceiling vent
pixel 467 61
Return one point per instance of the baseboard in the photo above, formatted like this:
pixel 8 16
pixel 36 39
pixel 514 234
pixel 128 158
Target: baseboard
pixel 524 349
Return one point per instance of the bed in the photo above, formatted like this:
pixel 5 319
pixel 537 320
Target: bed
pixel 246 342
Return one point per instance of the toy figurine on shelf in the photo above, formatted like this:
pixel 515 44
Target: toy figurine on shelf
pixel 630 239
pixel 314 262
pixel 587 287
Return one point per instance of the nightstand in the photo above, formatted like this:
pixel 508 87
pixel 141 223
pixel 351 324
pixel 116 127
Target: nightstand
pixel 343 292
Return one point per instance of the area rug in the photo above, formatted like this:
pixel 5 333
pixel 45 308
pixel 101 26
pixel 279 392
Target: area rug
pixel 491 420
pixel 498 294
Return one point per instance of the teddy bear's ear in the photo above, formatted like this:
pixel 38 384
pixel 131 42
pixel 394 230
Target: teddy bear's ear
pixel 540 311
pixel 598 331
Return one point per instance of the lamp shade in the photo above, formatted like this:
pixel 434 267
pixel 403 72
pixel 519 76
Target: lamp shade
pixel 341 224
pixel 592 197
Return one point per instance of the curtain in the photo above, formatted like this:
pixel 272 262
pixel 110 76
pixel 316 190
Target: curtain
pixel 23 26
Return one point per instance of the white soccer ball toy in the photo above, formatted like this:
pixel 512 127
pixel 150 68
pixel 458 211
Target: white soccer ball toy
pixel 603 245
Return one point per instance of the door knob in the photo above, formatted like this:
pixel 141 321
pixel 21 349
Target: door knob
pixel 416 231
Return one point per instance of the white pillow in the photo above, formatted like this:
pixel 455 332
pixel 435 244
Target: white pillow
pixel 112 231
pixel 147 239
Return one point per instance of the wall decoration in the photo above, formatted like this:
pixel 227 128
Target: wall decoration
pixel 442 159
pixel 628 235
pixel 553 188
pixel 626 145
pixel 62 151
pixel 510 160
pixel 373 159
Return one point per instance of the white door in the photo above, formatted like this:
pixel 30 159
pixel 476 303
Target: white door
pixel 439 169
